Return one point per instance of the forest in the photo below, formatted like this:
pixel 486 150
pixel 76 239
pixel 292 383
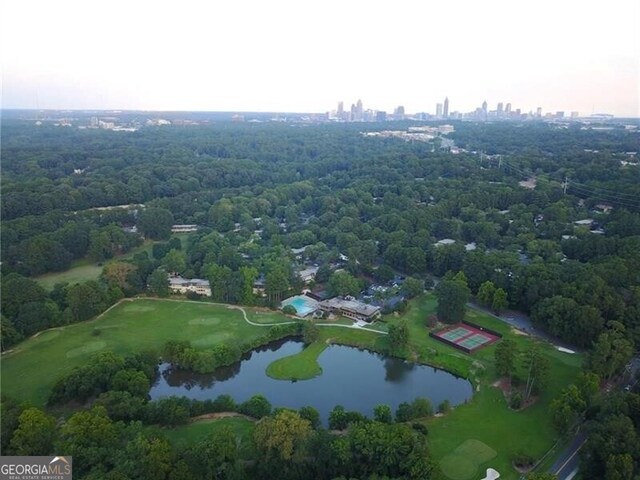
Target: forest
pixel 564 250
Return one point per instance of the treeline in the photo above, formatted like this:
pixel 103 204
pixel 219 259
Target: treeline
pixel 186 357
pixel 27 308
pixel 284 444
pixel 612 449
pixel 110 439
pixel 380 204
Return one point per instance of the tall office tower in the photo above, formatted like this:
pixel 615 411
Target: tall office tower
pixel 484 107
pixel 445 113
pixel 354 113
pixel 340 111
pixel 438 110
pixel 500 109
pixel 574 115
pixel 399 111
pixel 539 112
pixel 507 110
pixel 359 110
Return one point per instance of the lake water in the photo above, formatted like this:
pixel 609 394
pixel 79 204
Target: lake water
pixel 356 379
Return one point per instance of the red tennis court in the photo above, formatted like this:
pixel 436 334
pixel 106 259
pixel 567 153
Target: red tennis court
pixel 466 337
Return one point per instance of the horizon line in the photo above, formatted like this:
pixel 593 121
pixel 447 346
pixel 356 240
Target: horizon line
pixel 254 111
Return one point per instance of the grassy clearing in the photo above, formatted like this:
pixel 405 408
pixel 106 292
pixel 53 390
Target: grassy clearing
pixel 195 431
pixel 29 372
pixel 78 274
pixel 487 418
pixel 463 462
pixel 301 366
pixel 84 269
pixel 354 337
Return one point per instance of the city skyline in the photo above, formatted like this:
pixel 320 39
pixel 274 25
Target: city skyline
pixel 289 57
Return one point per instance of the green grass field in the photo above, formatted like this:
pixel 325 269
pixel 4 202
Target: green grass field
pixel 85 269
pixel 301 366
pixel 78 274
pixel 29 372
pixel 463 462
pixel 195 431
pixel 486 418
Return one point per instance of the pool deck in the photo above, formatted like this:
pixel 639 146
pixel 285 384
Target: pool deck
pixel 309 305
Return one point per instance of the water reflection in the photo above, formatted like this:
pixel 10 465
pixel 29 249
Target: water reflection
pixel 396 370
pixel 357 379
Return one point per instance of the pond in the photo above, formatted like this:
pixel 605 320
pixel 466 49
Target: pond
pixel 356 379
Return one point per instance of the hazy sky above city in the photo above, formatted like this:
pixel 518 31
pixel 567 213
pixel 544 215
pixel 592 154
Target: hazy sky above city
pixel 305 56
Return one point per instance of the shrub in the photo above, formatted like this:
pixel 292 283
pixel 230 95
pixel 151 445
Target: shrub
pixel 193 295
pixel 289 310
pixel 523 460
pixel 515 400
pixel 421 428
pixel 444 406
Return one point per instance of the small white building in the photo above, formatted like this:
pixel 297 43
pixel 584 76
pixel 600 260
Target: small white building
pixel 184 228
pixel 184 285
pixel 445 241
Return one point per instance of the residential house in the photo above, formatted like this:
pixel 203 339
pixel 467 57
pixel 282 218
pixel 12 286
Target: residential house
pixel 184 285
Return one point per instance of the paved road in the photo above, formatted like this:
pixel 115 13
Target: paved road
pixel 566 466
pixel 522 322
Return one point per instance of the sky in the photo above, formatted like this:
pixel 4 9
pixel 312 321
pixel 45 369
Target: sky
pixel 306 55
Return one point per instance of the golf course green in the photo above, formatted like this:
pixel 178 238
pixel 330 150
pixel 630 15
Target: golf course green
pixel 484 431
pixel 301 366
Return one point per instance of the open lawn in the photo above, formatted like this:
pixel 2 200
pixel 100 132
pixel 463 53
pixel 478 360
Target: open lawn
pixel 477 429
pixel 29 372
pixel 85 269
pixel 195 431
pixel 301 366
pixel 78 274
pixel 486 419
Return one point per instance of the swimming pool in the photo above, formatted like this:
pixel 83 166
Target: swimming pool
pixel 304 305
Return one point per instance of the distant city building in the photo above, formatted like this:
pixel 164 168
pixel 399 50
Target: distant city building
pixel 539 112
pixel 500 109
pixel 398 113
pixel 446 107
pixel 484 107
pixel 359 110
pixel 559 114
pixel 438 110
pixel 381 116
pixel 574 115
pixel 340 111
pixel 508 109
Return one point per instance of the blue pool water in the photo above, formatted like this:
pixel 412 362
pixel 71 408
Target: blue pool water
pixel 302 305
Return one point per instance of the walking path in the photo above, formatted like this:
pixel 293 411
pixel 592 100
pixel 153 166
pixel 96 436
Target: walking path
pixel 231 307
pixel 354 326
